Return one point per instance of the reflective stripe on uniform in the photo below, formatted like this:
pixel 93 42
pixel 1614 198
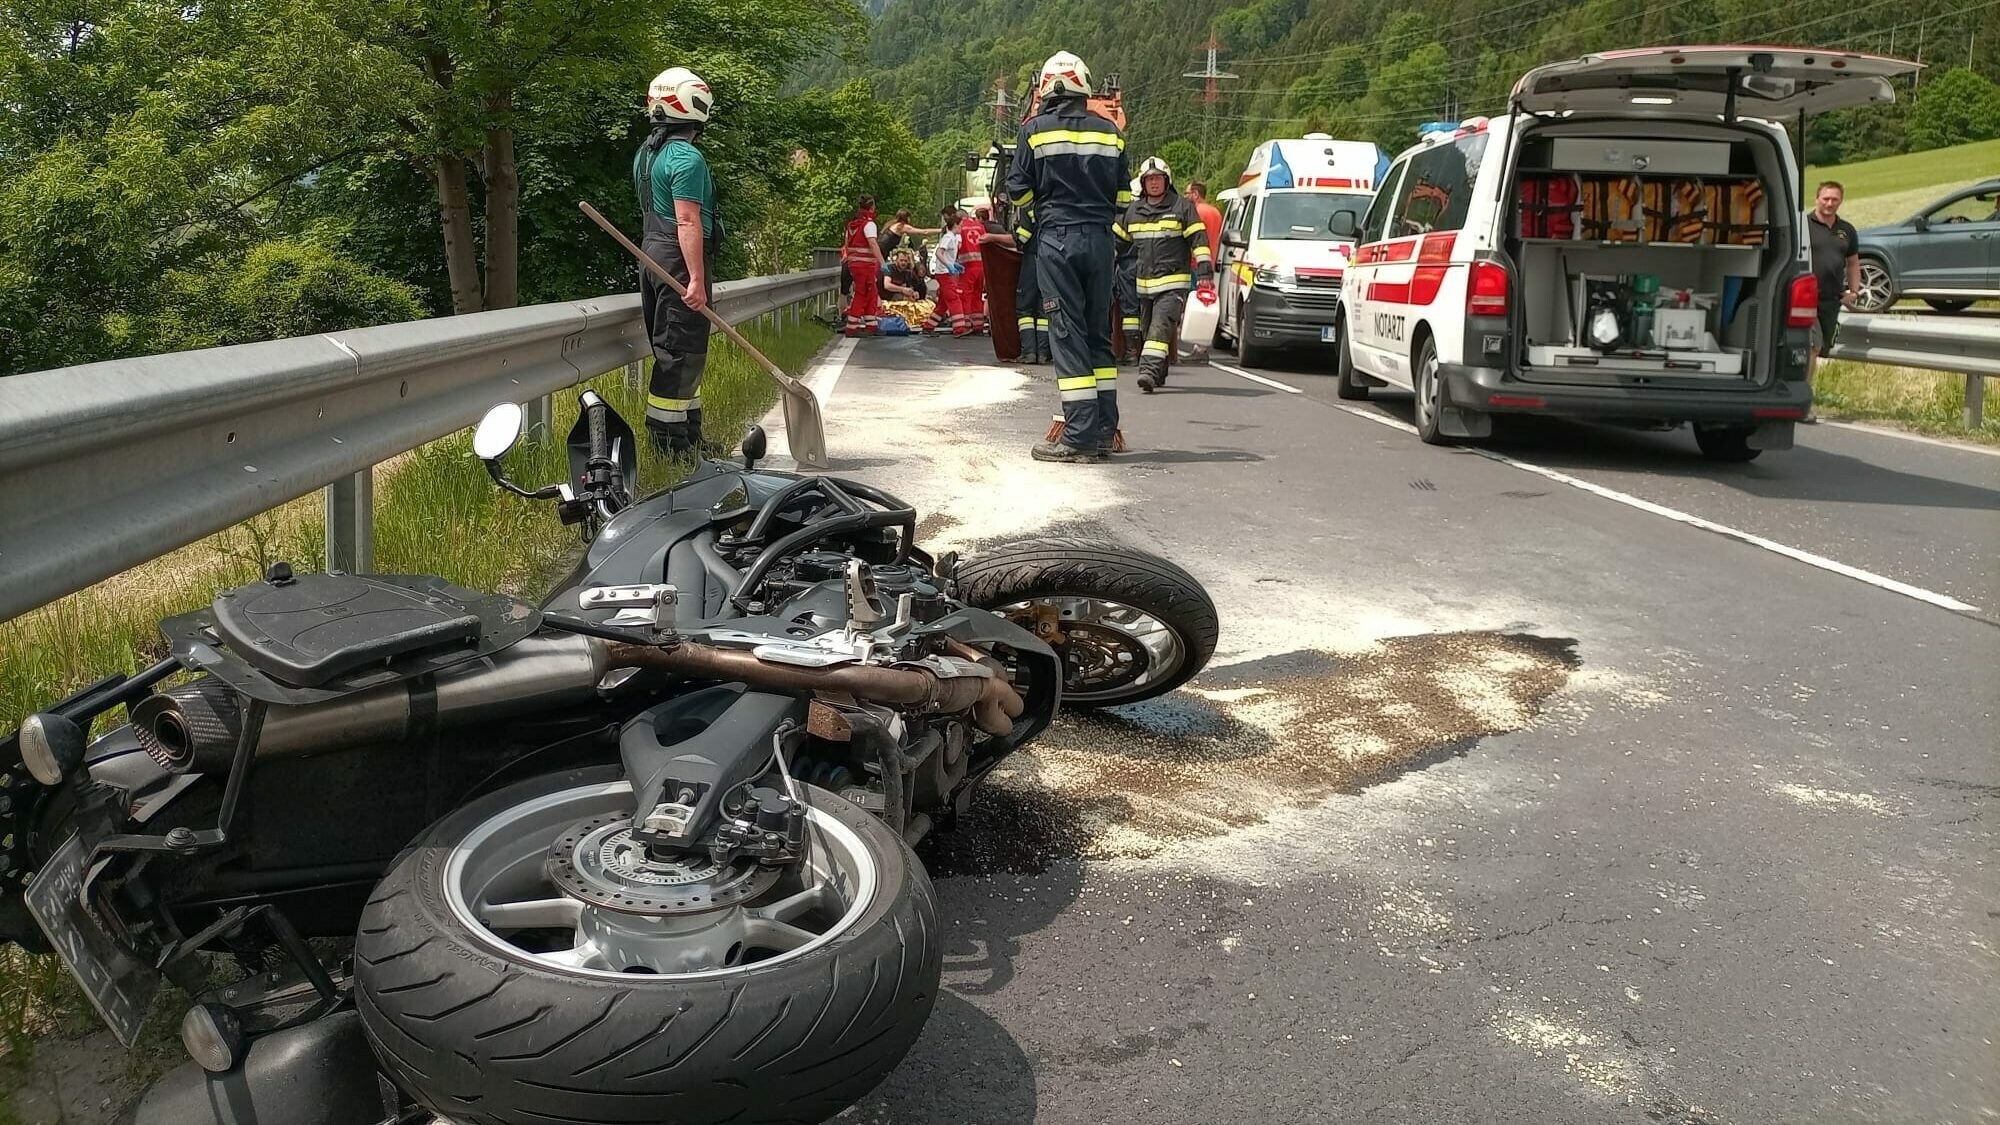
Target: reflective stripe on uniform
pixel 1025 321
pixel 1119 230
pixel 1163 226
pixel 1131 323
pixel 1124 197
pixel 1164 284
pixel 1107 378
pixel 662 409
pixel 1025 198
pixel 1154 347
pixel 1042 323
pixel 1201 253
pixel 1077 388
pixel 1075 142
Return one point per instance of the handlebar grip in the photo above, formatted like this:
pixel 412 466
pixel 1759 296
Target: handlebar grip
pixel 600 442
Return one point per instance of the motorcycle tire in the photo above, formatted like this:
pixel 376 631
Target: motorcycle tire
pixel 1134 625
pixel 478 1031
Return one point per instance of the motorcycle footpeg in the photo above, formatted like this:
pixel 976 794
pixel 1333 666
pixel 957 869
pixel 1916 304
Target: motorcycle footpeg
pixel 651 604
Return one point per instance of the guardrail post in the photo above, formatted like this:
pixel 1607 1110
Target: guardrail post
pixel 539 416
pixel 1975 400
pixel 350 523
pixel 635 374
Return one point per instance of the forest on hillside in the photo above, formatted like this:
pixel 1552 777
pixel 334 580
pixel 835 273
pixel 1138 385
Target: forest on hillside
pixel 178 176
pixel 1376 69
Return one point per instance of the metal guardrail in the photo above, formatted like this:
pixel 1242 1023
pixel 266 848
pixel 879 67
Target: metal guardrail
pixel 1937 343
pixel 106 465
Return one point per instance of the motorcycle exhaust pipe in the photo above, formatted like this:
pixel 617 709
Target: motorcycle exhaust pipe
pixel 993 702
pixel 194 728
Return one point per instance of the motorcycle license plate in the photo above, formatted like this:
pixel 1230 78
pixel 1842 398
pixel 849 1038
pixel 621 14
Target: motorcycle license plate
pixel 1329 334
pixel 120 986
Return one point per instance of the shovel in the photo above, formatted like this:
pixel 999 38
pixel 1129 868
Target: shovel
pixel 805 431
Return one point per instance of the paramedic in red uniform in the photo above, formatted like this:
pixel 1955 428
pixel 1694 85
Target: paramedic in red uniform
pixel 861 253
pixel 972 283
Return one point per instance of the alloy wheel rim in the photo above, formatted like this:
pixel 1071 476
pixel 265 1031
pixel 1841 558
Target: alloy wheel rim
pixel 555 882
pixel 1111 650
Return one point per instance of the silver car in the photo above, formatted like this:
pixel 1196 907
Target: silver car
pixel 1948 254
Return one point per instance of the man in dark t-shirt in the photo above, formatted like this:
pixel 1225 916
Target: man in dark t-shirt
pixel 1835 264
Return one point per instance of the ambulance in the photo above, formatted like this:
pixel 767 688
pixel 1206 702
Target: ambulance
pixel 1279 278
pixel 1626 244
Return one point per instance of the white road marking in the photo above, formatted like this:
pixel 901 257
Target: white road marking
pixel 1931 597
pixel 1240 373
pixel 1384 419
pixel 1884 431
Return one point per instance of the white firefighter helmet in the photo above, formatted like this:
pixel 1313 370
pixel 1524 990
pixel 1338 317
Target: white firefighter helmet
pixel 1064 73
pixel 678 94
pixel 1154 165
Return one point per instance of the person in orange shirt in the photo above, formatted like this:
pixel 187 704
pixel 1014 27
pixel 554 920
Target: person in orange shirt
pixel 1197 194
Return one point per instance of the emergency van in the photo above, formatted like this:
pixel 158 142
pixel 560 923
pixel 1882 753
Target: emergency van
pixel 1627 244
pixel 1280 275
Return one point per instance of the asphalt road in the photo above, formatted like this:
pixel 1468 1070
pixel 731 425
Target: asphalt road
pixel 1509 796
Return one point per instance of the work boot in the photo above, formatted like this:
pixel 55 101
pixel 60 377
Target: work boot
pixel 1147 383
pixel 1058 452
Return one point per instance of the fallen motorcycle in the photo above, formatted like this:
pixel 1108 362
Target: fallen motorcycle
pixel 667 870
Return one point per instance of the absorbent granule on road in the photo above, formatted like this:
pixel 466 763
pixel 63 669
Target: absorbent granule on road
pixel 1834 799
pixel 1251 739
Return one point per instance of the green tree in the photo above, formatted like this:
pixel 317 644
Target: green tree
pixel 855 145
pixel 1957 106
pixel 1182 155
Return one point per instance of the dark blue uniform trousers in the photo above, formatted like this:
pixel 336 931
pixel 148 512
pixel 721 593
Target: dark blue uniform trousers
pixel 1075 267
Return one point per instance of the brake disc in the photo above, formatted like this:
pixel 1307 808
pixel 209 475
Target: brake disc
pixel 601 861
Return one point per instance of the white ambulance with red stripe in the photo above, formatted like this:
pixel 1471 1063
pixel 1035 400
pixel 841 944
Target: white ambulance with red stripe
pixel 1626 244
pixel 1280 275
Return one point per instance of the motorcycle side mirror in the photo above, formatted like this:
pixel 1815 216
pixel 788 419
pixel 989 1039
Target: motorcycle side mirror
pixel 51 747
pixel 498 431
pixel 755 445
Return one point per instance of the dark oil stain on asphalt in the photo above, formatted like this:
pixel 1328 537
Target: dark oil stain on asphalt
pixel 1247 740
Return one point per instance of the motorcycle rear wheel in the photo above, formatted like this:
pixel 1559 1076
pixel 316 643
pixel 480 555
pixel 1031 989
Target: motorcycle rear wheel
pixel 477 1006
pixel 1128 625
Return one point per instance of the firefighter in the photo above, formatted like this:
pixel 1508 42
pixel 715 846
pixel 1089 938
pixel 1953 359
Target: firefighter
pixel 1128 298
pixel 1029 316
pixel 861 253
pixel 681 231
pixel 1069 164
pixel 971 255
pixel 1165 234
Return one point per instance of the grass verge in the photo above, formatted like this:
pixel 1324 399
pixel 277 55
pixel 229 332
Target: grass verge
pixel 1931 402
pixel 436 512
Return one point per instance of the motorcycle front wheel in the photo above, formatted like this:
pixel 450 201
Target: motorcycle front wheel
pixel 523 962
pixel 1128 625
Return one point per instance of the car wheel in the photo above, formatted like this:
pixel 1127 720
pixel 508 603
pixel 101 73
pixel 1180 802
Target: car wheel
pixel 1347 384
pixel 1431 397
pixel 1729 445
pixel 1944 306
pixel 1878 289
pixel 1247 353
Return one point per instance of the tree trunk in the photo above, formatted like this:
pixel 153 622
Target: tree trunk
pixel 503 216
pixel 461 254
